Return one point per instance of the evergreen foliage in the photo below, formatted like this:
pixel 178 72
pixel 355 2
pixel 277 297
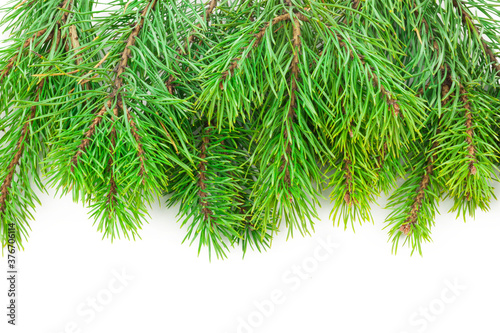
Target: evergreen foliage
pixel 245 113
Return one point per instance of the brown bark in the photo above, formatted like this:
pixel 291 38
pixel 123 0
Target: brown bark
pixel 23 139
pixel 118 83
pixel 467 20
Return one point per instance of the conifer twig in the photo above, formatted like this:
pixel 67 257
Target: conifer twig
pixel 183 51
pixel 417 202
pixel 467 20
pixel 202 177
pixel 412 217
pixel 470 131
pixel 348 181
pixel 118 82
pixel 373 77
pixel 25 132
pixel 12 60
pixel 258 38
pixel 294 69
pixel 129 43
pixel 137 138
pixel 75 42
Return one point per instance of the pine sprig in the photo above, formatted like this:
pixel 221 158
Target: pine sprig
pixel 26 118
pixel 246 113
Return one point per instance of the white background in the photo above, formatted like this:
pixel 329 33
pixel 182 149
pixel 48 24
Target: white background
pixel 354 284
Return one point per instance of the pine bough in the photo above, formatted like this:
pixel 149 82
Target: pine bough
pixel 245 112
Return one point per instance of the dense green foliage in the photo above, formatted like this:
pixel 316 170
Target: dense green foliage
pixel 244 113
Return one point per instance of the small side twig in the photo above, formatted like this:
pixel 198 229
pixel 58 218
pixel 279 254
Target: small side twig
pixel 23 139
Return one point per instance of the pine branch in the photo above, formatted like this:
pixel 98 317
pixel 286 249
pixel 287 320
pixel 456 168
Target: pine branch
pixel 125 56
pixel 469 131
pixel 413 214
pixel 348 181
pixel 202 176
pixel 256 41
pixel 391 102
pixel 468 21
pixel 118 82
pixel 25 132
pixel 17 196
pixel 183 51
pixel 89 134
pixel 32 39
pixel 294 70
pixel 245 111
pixel 417 201
pixel 138 140
pixel 27 43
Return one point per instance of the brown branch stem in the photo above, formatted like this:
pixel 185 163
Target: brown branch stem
pixel 12 60
pixel 25 131
pixel 258 38
pixel 412 217
pixel 118 83
pixel 294 77
pixel 348 181
pixel 470 131
pixel 4 189
pixel 182 51
pixel 202 177
pixel 391 102
pixel 467 19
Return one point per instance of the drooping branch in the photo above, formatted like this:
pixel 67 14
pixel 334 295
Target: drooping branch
pixel 25 132
pixel 347 161
pixel 417 202
pixel 182 51
pixel 391 102
pixel 38 34
pixel 75 43
pixel 348 180
pixel 467 20
pixel 88 135
pixel 205 141
pixel 202 177
pixel 137 138
pixel 412 217
pixel 125 56
pixel 257 40
pixel 470 131
pixel 294 77
pixel 118 83
pixel 12 60
pixel 239 195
